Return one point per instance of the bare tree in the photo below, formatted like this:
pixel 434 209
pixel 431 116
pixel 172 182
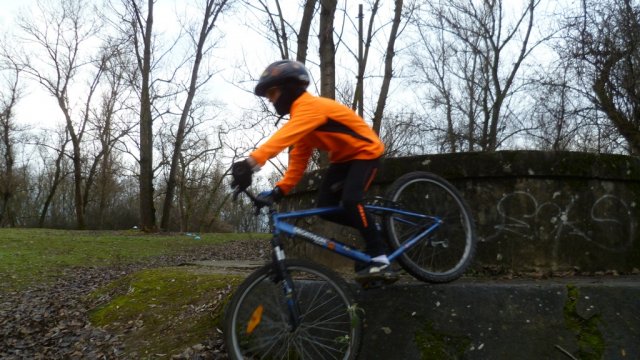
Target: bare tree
pixel 303 33
pixel 142 37
pixel 213 9
pixel 435 63
pixel 327 49
pixel 362 62
pixel 561 117
pixel 280 29
pixel 52 178
pixel 60 31
pixel 388 66
pixel 478 40
pixel 8 137
pixel 110 127
pixel 327 61
pixel 200 189
pixel 601 44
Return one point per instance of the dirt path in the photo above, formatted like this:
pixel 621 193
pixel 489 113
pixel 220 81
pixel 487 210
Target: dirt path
pixel 50 321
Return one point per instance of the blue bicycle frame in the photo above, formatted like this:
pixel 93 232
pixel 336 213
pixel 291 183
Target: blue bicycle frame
pixel 280 226
pixel 425 225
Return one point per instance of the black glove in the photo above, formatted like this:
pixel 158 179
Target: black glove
pixel 271 196
pixel 241 172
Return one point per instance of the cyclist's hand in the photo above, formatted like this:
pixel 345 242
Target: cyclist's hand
pixel 241 172
pixel 271 196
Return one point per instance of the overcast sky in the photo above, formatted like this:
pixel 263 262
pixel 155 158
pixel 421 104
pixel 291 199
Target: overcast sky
pixel 238 42
pixel 35 102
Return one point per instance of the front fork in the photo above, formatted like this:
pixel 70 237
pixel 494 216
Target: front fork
pixel 287 282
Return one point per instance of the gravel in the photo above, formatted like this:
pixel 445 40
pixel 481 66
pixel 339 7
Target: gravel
pixel 51 321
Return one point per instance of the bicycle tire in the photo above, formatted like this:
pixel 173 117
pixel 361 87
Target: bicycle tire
pixel 445 254
pixel 256 323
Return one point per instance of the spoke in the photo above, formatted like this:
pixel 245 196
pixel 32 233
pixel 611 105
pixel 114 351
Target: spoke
pixel 319 293
pixel 316 324
pixel 325 331
pixel 327 315
pixel 262 341
pixel 321 348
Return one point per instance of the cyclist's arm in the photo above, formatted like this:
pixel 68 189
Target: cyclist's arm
pixel 298 160
pixel 304 119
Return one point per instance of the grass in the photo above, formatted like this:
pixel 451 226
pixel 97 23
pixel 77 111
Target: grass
pixel 157 312
pixel 32 256
pixel 163 311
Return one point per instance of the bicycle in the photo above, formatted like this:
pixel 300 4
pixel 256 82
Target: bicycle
pixel 297 309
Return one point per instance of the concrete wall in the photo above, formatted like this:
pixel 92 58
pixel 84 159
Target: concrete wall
pixel 534 211
pixel 562 319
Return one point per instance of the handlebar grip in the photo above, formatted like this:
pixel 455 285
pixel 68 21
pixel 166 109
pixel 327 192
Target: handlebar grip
pixel 258 202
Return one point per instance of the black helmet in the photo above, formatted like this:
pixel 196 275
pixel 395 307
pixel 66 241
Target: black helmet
pixel 280 73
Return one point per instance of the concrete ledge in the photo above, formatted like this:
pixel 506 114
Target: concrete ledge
pixel 580 318
pixel 534 210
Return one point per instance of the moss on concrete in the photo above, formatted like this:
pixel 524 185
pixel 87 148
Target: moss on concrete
pixel 163 311
pixel 435 345
pixel 591 343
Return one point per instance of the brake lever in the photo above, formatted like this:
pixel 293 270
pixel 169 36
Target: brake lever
pixel 257 202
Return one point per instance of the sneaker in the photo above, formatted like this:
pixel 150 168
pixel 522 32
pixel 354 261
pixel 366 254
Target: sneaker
pixel 376 272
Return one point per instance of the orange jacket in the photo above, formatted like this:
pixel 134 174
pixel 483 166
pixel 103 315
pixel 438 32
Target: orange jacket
pixel 321 123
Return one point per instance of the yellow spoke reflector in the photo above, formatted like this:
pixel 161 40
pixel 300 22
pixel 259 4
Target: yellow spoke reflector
pixel 256 317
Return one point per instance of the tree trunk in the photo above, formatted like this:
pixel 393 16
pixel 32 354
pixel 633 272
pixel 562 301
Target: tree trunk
pixel 327 49
pixel 8 182
pixel 327 60
pixel 57 179
pixel 210 16
pixel 76 158
pixel 305 27
pixel 147 208
pixel 358 97
pixel 388 68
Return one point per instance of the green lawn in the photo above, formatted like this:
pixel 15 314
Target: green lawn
pixel 163 311
pixel 29 256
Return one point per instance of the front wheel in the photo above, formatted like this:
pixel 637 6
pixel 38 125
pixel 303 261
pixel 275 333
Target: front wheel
pixel 257 319
pixel 444 254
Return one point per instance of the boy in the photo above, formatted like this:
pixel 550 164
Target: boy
pixel 354 155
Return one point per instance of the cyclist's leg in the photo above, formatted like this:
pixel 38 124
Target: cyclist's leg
pixel 355 177
pixel 357 182
pixel 345 184
pixel 329 192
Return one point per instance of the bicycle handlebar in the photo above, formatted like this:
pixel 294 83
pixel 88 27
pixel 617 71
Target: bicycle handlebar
pixel 258 202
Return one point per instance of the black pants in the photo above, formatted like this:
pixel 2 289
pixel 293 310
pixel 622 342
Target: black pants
pixel 345 184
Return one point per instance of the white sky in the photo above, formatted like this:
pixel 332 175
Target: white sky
pixel 239 42
pixel 39 109
pixel 35 102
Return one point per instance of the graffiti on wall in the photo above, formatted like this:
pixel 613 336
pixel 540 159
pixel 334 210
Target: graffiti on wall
pixel 609 223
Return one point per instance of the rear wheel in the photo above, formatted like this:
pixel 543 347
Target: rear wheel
pixel 257 319
pixel 444 254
